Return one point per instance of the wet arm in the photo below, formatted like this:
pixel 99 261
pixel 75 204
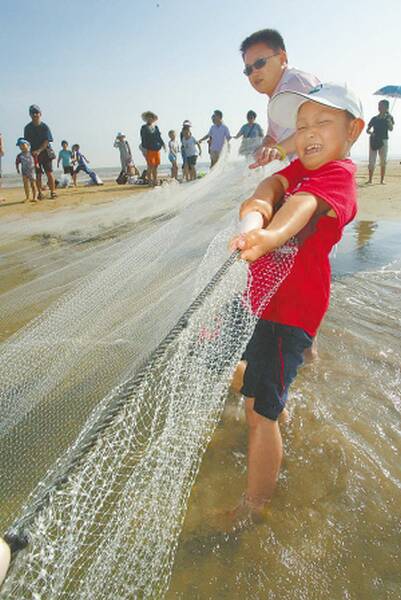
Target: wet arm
pixel 268 193
pixel 289 220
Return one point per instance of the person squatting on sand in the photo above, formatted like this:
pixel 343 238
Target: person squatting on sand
pixel 378 128
pixel 151 142
pixel 313 199
pixel 266 66
pixel 26 161
pixel 39 136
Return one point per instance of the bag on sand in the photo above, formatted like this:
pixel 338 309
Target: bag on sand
pixel 122 178
pixel 375 142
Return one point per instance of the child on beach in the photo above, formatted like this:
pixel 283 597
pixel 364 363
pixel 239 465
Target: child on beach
pixel 312 199
pixel 173 150
pixel 192 150
pixel 151 142
pixel 65 157
pixel 26 161
pixel 81 163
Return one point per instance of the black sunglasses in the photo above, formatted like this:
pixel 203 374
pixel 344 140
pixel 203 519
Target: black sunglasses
pixel 258 64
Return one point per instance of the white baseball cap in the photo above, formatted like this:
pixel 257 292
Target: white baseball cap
pixel 284 106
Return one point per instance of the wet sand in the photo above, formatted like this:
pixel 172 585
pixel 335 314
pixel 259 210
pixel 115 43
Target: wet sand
pixel 375 201
pixel 15 205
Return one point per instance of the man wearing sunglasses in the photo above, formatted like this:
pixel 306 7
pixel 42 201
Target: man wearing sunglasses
pixel 266 66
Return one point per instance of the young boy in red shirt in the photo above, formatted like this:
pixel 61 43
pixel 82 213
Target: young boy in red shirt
pixel 312 199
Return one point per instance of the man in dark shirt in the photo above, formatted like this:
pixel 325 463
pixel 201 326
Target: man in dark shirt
pixel 39 136
pixel 381 124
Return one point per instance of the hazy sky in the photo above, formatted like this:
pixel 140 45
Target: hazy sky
pixel 95 66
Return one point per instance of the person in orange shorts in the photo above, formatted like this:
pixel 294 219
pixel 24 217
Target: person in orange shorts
pixel 151 142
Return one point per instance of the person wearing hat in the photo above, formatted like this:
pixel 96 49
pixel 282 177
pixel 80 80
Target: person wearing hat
pixel 151 142
pixel 39 136
pixel 26 161
pixel 122 144
pixel 311 200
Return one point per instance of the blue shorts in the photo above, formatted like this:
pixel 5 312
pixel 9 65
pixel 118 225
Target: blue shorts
pixel 172 157
pixel 273 354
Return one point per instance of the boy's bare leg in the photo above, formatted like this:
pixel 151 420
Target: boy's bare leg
pixel 26 188
pixel 265 451
pixel 311 354
pixel 34 190
pixel 382 173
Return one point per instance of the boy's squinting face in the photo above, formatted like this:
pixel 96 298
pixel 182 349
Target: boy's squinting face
pixel 24 148
pixel 323 134
pixel 265 80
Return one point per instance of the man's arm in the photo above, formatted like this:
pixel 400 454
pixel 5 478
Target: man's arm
pixel 287 222
pixel 205 137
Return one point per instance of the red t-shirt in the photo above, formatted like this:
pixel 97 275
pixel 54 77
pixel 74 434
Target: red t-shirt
pixel 303 297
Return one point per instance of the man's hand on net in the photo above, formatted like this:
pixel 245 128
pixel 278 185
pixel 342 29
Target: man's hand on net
pixel 265 155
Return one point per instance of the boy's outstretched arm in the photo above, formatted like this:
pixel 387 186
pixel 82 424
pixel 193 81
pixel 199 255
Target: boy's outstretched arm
pixel 267 194
pixel 287 222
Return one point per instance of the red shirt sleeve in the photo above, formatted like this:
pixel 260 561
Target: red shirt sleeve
pixel 292 173
pixel 335 184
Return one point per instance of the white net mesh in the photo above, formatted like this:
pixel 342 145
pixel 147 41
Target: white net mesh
pixel 116 304
pixel 110 528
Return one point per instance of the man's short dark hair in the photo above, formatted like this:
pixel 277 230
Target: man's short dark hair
pixel 385 103
pixel 218 113
pixel 269 37
pixel 64 142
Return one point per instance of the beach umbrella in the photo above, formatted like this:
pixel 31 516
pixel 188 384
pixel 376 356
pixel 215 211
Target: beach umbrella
pixel 391 91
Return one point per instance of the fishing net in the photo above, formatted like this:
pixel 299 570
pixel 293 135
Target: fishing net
pixel 104 522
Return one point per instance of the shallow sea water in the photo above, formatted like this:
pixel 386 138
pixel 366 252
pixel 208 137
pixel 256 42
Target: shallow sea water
pixel 333 527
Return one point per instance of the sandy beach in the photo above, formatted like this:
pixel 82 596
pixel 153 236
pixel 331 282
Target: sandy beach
pixel 375 201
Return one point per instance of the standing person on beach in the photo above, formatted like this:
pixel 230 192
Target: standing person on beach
pixel 1 156
pixel 65 157
pixel 378 128
pixel 311 199
pixel 192 150
pixel 186 125
pixel 26 161
pixel 266 66
pixel 39 136
pixel 173 150
pixel 218 134
pixel 122 144
pixel 151 142
pixel 251 133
